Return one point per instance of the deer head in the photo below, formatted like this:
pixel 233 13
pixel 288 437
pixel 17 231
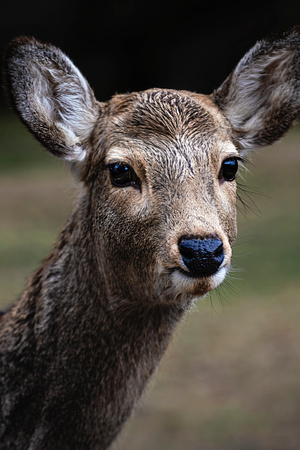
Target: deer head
pixel 157 167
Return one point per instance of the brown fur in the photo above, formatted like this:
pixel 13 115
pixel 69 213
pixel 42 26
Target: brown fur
pixel 79 346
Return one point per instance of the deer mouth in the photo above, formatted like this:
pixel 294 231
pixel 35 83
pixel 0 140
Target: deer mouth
pixel 185 282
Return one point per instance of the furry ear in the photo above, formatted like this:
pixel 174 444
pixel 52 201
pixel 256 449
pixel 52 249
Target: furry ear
pixel 261 97
pixel 51 97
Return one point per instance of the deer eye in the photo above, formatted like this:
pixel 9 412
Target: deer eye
pixel 122 175
pixel 229 169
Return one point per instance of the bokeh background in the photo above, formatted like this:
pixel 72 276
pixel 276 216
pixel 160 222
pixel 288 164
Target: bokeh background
pixel 231 378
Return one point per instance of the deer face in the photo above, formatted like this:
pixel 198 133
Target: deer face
pixel 158 166
pixel 165 194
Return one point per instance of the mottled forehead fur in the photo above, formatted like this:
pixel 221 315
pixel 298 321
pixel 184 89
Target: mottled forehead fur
pixel 165 119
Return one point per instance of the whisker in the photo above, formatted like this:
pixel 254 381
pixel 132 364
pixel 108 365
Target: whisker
pixel 246 193
pixel 244 196
pixel 223 293
pixel 244 240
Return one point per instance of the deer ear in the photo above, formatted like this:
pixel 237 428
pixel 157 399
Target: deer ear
pixel 261 97
pixel 51 97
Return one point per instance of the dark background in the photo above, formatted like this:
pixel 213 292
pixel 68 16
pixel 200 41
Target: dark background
pixel 122 46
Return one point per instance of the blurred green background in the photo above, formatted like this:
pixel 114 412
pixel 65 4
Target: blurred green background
pixel 231 377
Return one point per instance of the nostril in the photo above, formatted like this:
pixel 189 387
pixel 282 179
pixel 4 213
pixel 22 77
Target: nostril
pixel 187 247
pixel 202 257
pixel 214 246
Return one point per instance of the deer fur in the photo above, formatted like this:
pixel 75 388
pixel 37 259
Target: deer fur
pixel 81 343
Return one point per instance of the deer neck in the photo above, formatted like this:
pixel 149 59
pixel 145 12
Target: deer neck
pixel 89 354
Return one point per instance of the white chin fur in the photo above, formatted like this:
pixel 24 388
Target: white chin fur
pixel 186 285
pixel 218 277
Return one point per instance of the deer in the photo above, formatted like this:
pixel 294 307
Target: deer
pixel 151 233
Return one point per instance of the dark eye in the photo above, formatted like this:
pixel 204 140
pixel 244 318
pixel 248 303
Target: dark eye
pixel 229 169
pixel 122 175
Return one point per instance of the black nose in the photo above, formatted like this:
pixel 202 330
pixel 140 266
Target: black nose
pixel 202 257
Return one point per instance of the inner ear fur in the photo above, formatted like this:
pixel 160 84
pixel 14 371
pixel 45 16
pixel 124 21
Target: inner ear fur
pixel 51 97
pixel 261 97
